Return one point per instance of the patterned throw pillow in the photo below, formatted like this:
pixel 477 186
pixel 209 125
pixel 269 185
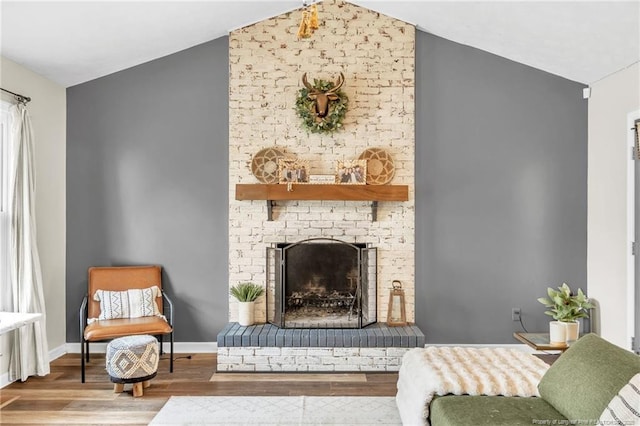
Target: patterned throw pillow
pixel 134 303
pixel 624 408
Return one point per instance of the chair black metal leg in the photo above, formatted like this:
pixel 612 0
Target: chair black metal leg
pixel 171 359
pixel 161 345
pixel 86 351
pixel 82 360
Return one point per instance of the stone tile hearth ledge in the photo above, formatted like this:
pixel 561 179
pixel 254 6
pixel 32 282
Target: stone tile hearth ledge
pixel 377 335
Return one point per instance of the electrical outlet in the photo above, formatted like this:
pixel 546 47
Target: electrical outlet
pixel 515 314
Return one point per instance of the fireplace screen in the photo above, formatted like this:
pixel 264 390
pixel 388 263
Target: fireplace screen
pixel 321 283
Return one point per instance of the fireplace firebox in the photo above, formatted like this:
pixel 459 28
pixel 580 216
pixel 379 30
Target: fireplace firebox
pixel 321 283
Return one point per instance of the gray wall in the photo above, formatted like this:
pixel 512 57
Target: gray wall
pixel 501 191
pixel 147 182
pixel 501 186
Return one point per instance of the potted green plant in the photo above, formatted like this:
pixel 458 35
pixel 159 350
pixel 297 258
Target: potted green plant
pixel 246 293
pixel 565 308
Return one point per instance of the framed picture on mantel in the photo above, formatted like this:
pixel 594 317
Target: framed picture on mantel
pixel 351 172
pixel 293 171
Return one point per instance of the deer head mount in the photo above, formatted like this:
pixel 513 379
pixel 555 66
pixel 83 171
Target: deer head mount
pixel 322 98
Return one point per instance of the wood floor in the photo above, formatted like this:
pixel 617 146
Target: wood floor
pixel 60 398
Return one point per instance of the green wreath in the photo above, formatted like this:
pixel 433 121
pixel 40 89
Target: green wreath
pixel 337 109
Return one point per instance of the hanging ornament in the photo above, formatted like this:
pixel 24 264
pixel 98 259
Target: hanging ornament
pixel 309 22
pixel 313 19
pixel 304 30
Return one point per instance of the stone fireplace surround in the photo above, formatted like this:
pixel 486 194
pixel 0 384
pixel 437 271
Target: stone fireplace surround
pixel 266 62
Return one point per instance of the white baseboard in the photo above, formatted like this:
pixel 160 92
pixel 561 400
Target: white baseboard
pixel 53 354
pixel 57 352
pixel 517 346
pixel 178 347
pixel 212 347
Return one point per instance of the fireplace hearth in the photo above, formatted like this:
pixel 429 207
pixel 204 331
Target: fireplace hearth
pixel 321 283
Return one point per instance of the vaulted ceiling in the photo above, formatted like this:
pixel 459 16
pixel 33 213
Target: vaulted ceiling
pixel 73 42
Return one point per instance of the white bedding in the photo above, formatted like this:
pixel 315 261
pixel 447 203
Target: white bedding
pixel 426 372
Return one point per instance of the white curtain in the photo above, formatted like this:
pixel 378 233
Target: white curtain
pixel 29 352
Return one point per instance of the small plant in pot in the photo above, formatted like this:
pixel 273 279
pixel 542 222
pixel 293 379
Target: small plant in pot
pixel 565 308
pixel 246 293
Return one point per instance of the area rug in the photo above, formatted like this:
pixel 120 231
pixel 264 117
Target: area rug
pixel 278 410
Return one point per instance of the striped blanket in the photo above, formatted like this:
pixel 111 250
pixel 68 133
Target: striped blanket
pixel 426 372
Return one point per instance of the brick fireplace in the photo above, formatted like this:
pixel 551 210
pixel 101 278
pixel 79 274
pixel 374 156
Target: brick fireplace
pixel 266 62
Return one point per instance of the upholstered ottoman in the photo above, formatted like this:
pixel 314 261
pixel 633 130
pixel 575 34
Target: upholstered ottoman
pixel 132 359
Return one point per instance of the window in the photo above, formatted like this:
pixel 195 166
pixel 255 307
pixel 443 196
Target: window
pixel 4 204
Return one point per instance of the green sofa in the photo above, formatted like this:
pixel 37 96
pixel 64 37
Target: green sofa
pixel 575 390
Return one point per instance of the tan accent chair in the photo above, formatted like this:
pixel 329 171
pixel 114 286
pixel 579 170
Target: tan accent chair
pixel 121 278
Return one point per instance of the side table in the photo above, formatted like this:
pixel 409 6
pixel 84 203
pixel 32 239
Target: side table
pixel 540 342
pixel 13 320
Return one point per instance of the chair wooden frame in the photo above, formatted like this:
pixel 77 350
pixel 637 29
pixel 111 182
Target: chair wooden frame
pixel 120 278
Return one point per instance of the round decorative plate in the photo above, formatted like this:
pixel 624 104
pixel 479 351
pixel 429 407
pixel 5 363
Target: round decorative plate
pixel 380 168
pixel 265 164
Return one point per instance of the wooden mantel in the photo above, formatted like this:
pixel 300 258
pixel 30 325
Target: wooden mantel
pixel 275 192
